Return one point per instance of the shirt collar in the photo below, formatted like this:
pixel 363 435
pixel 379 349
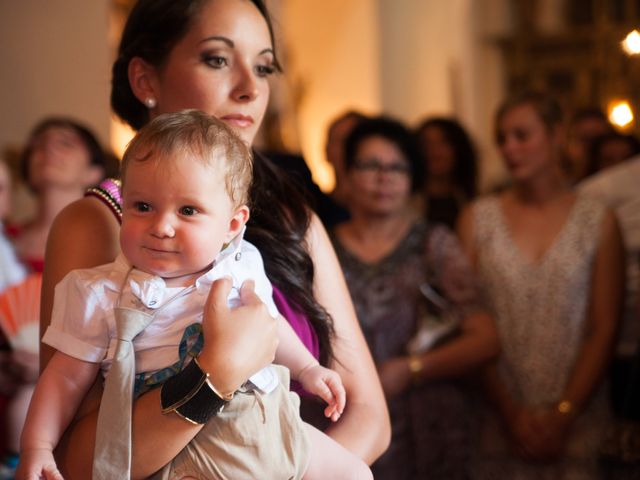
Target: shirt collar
pixel 223 264
pixel 151 290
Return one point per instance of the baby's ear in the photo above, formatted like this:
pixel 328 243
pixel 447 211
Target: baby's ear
pixel 237 222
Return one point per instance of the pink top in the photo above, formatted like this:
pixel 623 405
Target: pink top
pixel 299 322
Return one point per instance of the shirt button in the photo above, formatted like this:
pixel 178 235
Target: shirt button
pixel 238 256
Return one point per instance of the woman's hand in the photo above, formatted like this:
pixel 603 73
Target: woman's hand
pixel 539 435
pixel 237 342
pixel 553 428
pixel 527 441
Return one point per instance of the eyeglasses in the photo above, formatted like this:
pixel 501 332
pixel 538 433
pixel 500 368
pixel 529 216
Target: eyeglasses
pixel 373 166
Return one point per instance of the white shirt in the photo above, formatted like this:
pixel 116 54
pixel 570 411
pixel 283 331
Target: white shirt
pixel 618 188
pixel 83 324
pixel 11 270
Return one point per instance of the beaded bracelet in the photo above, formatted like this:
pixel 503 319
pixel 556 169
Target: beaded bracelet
pixel 565 407
pixel 186 395
pixel 109 193
pixel 415 368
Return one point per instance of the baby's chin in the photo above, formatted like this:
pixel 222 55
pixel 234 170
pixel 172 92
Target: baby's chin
pixel 180 280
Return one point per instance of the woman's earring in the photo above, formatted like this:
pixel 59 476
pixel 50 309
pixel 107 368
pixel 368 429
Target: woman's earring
pixel 150 102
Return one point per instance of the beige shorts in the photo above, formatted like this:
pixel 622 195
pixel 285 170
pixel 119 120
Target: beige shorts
pixel 255 436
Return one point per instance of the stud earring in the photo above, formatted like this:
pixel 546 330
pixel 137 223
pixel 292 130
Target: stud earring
pixel 150 102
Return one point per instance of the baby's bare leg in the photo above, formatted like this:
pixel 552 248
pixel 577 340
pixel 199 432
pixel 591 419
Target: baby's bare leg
pixel 329 459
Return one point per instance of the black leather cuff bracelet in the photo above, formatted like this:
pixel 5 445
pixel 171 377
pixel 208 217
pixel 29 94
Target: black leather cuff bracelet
pixel 191 395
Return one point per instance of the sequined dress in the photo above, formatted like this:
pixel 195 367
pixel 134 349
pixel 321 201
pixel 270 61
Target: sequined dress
pixel 540 311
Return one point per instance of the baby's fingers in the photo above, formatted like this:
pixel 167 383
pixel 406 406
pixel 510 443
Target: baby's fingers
pixel 52 473
pixel 332 412
pixel 338 392
pixel 324 392
pixel 53 476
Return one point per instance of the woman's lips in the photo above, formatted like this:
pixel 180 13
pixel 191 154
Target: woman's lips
pixel 238 120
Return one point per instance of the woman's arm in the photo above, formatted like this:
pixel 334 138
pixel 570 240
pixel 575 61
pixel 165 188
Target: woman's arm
pixel 466 235
pixel 85 234
pixel 477 341
pixel 516 418
pixel 364 427
pixel 603 316
pixel 476 345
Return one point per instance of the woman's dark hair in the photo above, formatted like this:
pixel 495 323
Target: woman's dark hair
pixel 153 28
pixel 393 131
pixel 97 155
pixel 590 113
pixel 349 115
pixel 280 216
pixel 465 160
pixel 598 143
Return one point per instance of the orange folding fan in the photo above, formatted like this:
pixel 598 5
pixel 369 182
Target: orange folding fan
pixel 20 313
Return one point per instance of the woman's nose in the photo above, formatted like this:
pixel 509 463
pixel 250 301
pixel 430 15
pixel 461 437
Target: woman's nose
pixel 246 87
pixel 47 144
pixel 507 145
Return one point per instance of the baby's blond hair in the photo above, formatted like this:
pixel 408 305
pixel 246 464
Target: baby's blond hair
pixel 203 137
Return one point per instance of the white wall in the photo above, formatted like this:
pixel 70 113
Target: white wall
pixel 332 59
pixel 409 58
pixel 406 58
pixel 54 60
pixel 420 42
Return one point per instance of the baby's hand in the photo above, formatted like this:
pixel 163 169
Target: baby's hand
pixel 327 384
pixel 37 464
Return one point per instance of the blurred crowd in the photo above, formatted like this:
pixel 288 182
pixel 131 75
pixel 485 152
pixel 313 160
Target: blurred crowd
pixel 504 324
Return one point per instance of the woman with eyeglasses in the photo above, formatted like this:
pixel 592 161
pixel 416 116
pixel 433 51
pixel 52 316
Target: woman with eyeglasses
pixel 409 281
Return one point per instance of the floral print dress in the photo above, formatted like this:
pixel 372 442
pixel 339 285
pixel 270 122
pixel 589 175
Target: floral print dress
pixel 431 423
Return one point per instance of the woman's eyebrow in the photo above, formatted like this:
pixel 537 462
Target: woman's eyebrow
pixel 226 40
pixel 231 44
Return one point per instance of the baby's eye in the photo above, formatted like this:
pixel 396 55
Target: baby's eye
pixel 188 211
pixel 142 207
